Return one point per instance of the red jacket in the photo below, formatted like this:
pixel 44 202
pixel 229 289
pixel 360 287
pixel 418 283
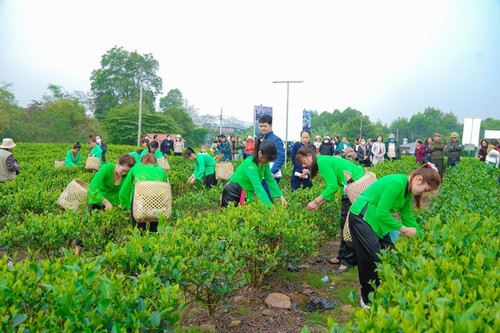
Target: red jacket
pixel 420 153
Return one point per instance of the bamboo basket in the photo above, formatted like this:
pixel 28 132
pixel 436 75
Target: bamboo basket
pixel 58 164
pixel 224 170
pixel 152 198
pixel 93 163
pixel 74 195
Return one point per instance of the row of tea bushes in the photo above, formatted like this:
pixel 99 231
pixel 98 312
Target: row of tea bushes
pixel 201 251
pixel 447 280
pixel 74 295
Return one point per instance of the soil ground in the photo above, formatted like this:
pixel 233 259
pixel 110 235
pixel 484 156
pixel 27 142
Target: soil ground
pixel 246 311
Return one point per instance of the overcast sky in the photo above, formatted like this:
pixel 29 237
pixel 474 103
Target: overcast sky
pixel 387 59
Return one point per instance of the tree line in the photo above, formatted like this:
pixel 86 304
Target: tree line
pixel 111 109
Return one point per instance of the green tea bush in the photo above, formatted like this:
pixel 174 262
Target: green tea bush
pixel 68 295
pixel 445 281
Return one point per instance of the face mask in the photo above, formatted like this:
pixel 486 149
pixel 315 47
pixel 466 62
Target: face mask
pixel 98 140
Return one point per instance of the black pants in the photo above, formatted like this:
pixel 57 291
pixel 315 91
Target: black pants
pixel 453 161
pixel 209 181
pixel 231 195
pixel 142 226
pixel 347 256
pixel 367 246
pixel 295 182
pixel 439 163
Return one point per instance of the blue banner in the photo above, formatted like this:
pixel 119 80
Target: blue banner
pixel 306 120
pixel 259 111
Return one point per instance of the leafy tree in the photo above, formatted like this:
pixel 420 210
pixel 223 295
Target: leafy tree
pixel 57 118
pixel 181 118
pixel 120 77
pixel 173 99
pixel 7 108
pixel 121 123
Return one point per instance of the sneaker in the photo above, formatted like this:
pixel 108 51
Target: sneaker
pixel 363 305
pixel 342 268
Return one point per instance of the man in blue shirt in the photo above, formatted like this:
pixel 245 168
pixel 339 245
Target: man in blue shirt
pixel 266 132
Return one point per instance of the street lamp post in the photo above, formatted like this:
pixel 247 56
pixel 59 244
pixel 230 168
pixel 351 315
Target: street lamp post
pixel 287 98
pixel 139 128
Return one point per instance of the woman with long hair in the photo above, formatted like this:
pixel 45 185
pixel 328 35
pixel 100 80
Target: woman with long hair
pixel 371 218
pixel 483 151
pixel 247 179
pixel 337 172
pixel 300 175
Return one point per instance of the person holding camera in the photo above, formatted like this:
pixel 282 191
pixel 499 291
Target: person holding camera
pixel 224 148
pixel 9 168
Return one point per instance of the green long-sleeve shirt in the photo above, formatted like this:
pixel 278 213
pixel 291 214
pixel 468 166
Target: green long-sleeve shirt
pixel 158 154
pixel 140 172
pixel 103 187
pixel 97 152
pixel 204 165
pixel 249 176
pixel 387 195
pixel 332 170
pixel 72 160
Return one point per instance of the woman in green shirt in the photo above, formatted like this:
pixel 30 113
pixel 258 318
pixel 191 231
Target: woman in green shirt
pixel 153 148
pixel 73 156
pixel 95 149
pixel 204 167
pixel 371 219
pixel 247 179
pixel 337 173
pixel 105 186
pixel 146 170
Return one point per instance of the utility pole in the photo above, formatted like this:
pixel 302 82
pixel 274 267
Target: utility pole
pixel 220 128
pixel 287 98
pixel 139 129
pixel 361 129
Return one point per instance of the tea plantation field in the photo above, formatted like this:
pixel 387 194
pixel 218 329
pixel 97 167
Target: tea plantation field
pixel 445 281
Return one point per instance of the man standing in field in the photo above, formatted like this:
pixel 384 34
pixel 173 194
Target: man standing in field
pixel 8 165
pixel 266 132
pixel 437 153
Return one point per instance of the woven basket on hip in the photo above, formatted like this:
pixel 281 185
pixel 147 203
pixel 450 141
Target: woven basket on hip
pixel 74 195
pixel 346 233
pixel 356 188
pixel 152 198
pixel 58 164
pixel 93 163
pixel 224 170
pixel 163 163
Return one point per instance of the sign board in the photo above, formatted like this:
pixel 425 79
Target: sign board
pixel 259 111
pixel 471 131
pixel 306 120
pixel 488 134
